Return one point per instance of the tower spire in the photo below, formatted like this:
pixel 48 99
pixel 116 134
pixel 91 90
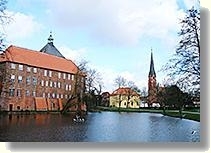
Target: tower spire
pixel 152 69
pixel 50 38
pixel 152 89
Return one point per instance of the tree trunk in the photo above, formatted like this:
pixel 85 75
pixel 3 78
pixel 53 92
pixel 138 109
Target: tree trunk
pixel 180 112
pixel 164 110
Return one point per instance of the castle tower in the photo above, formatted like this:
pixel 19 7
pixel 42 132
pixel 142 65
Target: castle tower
pixel 49 48
pixel 152 91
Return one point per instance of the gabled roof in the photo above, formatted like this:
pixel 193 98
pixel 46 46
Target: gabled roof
pixel 38 59
pixel 125 91
pixel 49 48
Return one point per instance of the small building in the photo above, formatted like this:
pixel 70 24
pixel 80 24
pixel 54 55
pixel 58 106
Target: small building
pixel 125 98
pixel 105 96
pixel 37 80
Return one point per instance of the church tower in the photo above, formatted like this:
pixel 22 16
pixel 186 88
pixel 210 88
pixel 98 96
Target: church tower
pixel 152 91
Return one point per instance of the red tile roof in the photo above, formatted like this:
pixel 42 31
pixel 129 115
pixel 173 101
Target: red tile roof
pixel 38 59
pixel 125 91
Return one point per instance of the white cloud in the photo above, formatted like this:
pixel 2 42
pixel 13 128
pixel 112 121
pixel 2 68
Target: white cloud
pixel 120 21
pixel 190 3
pixel 73 54
pixel 109 75
pixel 21 26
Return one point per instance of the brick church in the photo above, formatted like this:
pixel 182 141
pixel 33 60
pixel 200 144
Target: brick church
pixel 37 80
pixel 152 84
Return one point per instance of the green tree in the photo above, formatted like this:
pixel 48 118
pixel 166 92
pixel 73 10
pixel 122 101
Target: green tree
pixel 171 96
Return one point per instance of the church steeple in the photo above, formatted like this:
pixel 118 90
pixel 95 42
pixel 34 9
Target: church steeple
pixel 152 69
pixel 152 90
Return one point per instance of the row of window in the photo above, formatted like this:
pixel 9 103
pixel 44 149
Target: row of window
pixel 33 81
pixel 20 67
pixel 46 72
pixel 12 93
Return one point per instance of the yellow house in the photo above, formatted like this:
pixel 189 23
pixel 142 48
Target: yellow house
pixel 125 98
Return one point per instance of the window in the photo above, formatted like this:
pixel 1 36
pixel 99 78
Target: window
pixel 55 84
pixel 35 70
pixel 43 95
pixel 27 93
pixel 28 69
pixel 45 72
pixel 57 95
pixel 59 85
pixel 20 67
pixel 53 95
pixel 72 77
pixel 12 92
pixel 70 87
pixel 61 95
pixel 50 73
pixel 68 76
pixel 18 92
pixel 59 75
pixel 46 83
pixel 49 95
pixel 34 81
pixel 20 79
pixel 66 87
pixel 64 75
pixel 13 66
pixel 42 83
pixel 12 78
pixel 51 84
pixel 28 80
pixel 34 93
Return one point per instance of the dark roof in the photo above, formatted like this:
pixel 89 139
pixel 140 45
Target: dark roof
pixel 49 48
pixel 152 69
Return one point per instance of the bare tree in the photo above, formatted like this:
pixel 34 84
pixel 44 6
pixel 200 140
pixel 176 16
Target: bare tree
pixel 132 89
pixel 120 81
pixel 93 84
pixel 4 19
pixel 184 67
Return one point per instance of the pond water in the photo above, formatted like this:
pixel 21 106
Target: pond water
pixel 98 127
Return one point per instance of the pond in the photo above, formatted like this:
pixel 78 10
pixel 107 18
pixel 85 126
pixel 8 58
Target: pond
pixel 98 127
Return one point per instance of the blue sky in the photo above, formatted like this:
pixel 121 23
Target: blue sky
pixel 114 36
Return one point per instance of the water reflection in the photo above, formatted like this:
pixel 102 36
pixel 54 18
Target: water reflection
pixel 98 127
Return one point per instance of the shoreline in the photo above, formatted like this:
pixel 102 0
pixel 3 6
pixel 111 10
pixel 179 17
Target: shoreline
pixel 191 115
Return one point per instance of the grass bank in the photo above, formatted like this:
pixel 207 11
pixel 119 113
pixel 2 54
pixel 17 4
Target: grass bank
pixel 191 115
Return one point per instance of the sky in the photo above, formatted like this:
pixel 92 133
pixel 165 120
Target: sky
pixel 115 36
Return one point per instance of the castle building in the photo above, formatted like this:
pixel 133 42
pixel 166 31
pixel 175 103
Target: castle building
pixel 37 80
pixel 152 90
